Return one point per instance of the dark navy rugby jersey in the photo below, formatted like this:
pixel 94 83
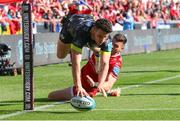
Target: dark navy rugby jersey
pixel 77 32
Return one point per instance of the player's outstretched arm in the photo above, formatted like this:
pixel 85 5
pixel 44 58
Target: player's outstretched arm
pixel 104 66
pixel 76 71
pixel 110 81
pixel 107 86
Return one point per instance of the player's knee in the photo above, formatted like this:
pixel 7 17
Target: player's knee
pixel 60 55
pixel 51 96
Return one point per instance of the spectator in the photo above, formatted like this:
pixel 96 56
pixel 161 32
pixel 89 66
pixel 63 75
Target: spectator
pixel 153 20
pixel 128 21
pixel 52 11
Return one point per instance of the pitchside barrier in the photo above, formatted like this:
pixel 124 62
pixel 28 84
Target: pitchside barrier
pixel 139 41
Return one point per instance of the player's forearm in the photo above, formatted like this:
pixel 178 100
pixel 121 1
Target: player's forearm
pixel 103 73
pixel 106 86
pixel 76 74
pixel 110 81
pixel 76 67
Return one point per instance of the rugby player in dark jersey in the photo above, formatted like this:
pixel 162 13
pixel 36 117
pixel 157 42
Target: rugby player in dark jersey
pixel 76 8
pixel 79 31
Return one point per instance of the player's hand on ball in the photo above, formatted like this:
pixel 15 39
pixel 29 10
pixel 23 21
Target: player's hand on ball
pixel 81 91
pixel 96 84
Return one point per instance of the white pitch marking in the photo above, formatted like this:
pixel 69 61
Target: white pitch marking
pixel 36 109
pixel 62 102
pixel 151 82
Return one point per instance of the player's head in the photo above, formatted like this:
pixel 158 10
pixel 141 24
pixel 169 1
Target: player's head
pixel 101 31
pixel 119 41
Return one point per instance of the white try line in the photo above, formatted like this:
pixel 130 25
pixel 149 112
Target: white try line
pixel 62 102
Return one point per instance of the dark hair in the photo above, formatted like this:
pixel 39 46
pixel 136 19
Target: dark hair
pixel 124 14
pixel 104 25
pixel 120 38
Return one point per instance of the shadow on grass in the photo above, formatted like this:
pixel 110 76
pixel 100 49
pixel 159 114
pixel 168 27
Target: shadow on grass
pixel 3 112
pixel 9 103
pixel 59 112
pixel 42 100
pixel 149 94
pixel 20 102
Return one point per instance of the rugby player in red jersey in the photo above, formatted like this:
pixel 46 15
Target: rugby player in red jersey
pixel 89 74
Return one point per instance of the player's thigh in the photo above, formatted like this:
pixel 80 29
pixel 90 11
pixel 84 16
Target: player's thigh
pixel 64 94
pixel 62 49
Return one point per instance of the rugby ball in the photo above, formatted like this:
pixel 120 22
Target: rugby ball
pixel 83 103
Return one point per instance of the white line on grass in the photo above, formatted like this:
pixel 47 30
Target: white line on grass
pixel 36 109
pixel 62 102
pixel 151 82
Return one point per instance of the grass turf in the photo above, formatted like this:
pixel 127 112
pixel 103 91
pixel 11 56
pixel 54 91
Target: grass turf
pixel 149 101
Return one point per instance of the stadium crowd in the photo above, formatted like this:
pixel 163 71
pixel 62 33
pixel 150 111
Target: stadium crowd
pixel 122 13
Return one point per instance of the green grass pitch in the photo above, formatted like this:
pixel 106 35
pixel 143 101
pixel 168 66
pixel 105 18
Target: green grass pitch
pixel 150 91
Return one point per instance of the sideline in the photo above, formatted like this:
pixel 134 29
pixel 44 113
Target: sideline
pixel 53 104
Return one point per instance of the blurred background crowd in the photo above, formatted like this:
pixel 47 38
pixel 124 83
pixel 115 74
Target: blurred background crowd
pixel 124 14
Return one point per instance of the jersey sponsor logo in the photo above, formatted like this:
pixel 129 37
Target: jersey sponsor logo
pixel 116 70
